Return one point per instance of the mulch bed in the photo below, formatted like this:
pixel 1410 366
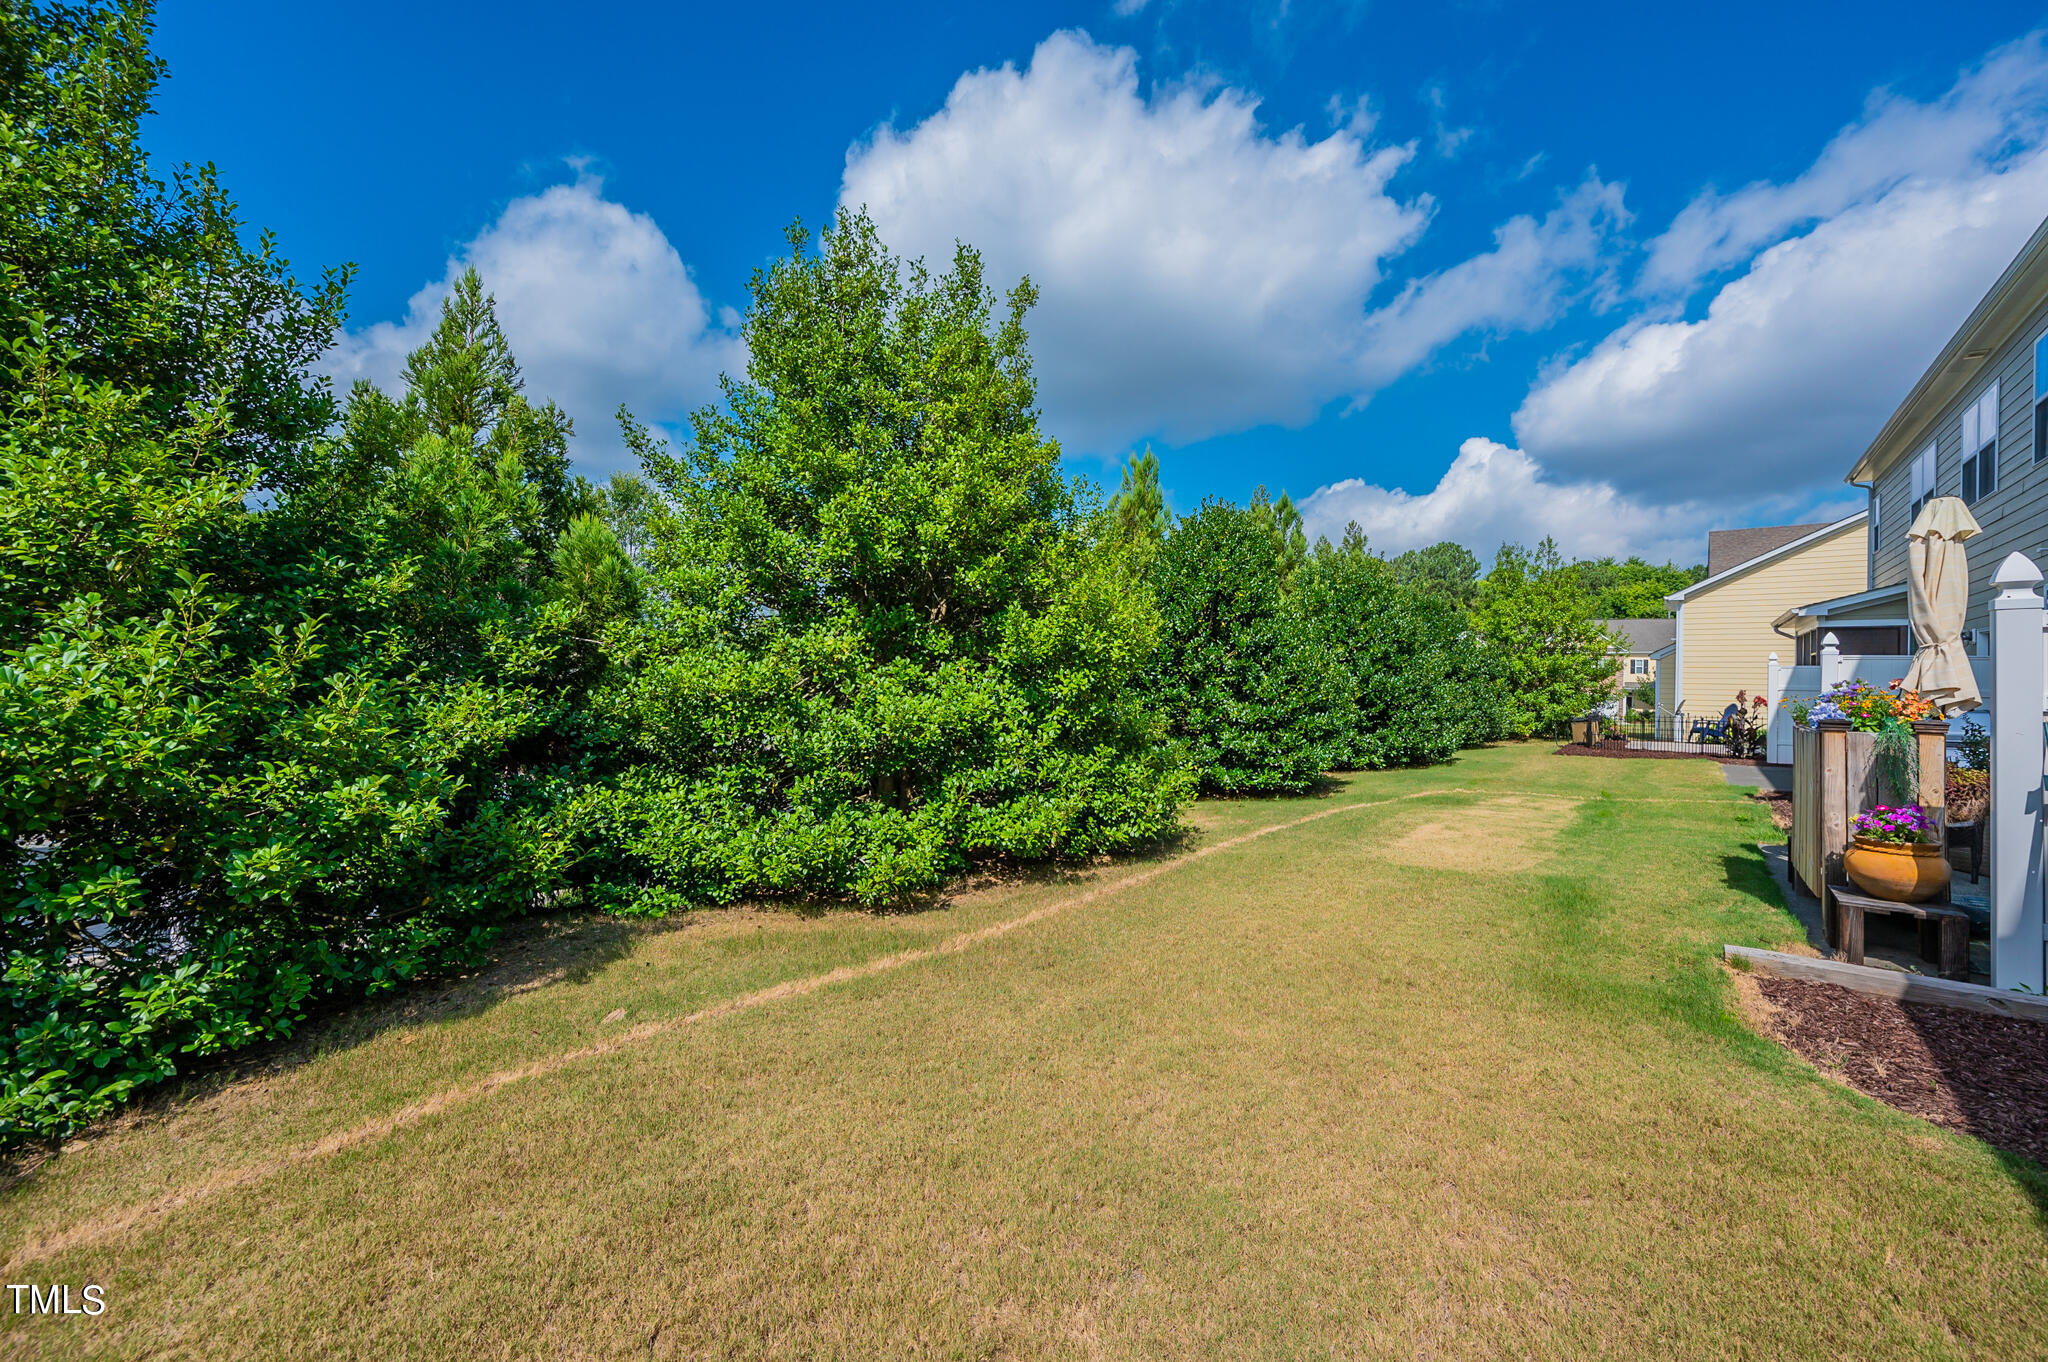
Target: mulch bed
pixel 1779 804
pixel 1617 747
pixel 1969 1071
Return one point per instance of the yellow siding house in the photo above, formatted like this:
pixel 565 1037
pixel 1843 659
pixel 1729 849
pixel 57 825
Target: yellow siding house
pixel 1724 636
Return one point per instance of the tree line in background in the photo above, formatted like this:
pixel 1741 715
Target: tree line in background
pixel 1613 589
pixel 301 697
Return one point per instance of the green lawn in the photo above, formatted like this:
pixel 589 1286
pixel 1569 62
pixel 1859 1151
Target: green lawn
pixel 1444 1064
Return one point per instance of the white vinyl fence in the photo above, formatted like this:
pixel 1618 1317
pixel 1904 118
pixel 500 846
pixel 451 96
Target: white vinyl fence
pixel 1787 684
pixel 2017 667
pixel 2018 699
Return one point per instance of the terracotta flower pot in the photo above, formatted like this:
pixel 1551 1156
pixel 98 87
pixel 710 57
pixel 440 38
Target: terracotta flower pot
pixel 1900 872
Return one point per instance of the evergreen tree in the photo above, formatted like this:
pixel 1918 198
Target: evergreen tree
pixel 880 643
pixel 275 708
pixel 1422 686
pixel 1282 524
pixel 464 387
pixel 1446 570
pixel 1245 683
pixel 1138 509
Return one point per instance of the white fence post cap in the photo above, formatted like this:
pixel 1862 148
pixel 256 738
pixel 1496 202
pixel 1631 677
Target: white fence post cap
pixel 2016 573
pixel 1830 641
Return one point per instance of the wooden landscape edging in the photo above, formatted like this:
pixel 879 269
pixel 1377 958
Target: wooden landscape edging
pixel 1885 983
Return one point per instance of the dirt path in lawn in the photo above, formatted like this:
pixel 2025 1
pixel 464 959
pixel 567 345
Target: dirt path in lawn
pixel 1438 1063
pixel 230 1180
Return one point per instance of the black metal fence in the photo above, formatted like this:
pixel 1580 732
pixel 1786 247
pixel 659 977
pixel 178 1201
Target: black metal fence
pixel 1682 728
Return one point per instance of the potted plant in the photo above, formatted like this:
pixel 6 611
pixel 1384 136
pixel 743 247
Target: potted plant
pixel 1890 713
pixel 1896 854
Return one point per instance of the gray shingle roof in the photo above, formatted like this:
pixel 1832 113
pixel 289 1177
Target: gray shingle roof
pixel 1645 636
pixel 1733 548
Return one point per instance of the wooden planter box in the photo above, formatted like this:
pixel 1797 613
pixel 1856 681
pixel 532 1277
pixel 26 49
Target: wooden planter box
pixel 1834 778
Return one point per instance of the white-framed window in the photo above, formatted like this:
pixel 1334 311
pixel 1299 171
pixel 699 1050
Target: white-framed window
pixel 1639 666
pixel 1876 517
pixel 1980 445
pixel 2040 400
pixel 1923 482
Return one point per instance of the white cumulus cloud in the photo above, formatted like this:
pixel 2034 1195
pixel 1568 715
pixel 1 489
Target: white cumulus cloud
pixel 597 305
pixel 1993 108
pixel 1492 494
pixel 1521 284
pixel 1798 361
pixel 1853 275
pixel 1198 273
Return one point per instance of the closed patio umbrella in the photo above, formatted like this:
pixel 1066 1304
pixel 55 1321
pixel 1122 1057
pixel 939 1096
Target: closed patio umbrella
pixel 1937 600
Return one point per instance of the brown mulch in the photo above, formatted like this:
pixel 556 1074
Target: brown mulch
pixel 1969 1071
pixel 1618 747
pixel 1779 805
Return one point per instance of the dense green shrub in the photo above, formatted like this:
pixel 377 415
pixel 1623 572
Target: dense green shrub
pixel 280 713
pixel 1422 685
pixel 882 641
pixel 1260 703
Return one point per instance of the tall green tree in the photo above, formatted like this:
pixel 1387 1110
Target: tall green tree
pixel 1262 706
pixel 881 641
pixel 1421 683
pixel 273 703
pixel 1446 570
pixel 1632 588
pixel 1551 652
pixel 1138 510
pixel 463 387
pixel 1282 523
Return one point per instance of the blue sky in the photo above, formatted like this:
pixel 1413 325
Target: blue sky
pixel 1477 271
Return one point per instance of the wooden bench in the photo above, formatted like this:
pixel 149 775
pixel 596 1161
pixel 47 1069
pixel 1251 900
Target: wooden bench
pixel 1944 929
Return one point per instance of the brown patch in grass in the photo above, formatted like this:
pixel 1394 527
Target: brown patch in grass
pixel 228 1180
pixel 1507 834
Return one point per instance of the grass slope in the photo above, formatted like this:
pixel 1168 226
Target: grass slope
pixel 1451 1075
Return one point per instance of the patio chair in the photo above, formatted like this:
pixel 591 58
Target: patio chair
pixel 1705 731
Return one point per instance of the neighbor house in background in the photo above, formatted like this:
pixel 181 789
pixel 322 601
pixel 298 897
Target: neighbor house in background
pixel 1635 660
pixel 1724 633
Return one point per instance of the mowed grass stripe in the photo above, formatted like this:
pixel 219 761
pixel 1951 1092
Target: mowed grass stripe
pixel 236 1179
pixel 1321 1097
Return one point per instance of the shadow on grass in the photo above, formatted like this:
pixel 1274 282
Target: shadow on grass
pixel 533 953
pixel 2031 1178
pixel 529 953
pixel 1749 873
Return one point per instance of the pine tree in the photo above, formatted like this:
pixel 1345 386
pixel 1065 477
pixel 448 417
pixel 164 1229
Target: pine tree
pixel 1282 524
pixel 464 387
pixel 1139 508
pixel 1291 537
